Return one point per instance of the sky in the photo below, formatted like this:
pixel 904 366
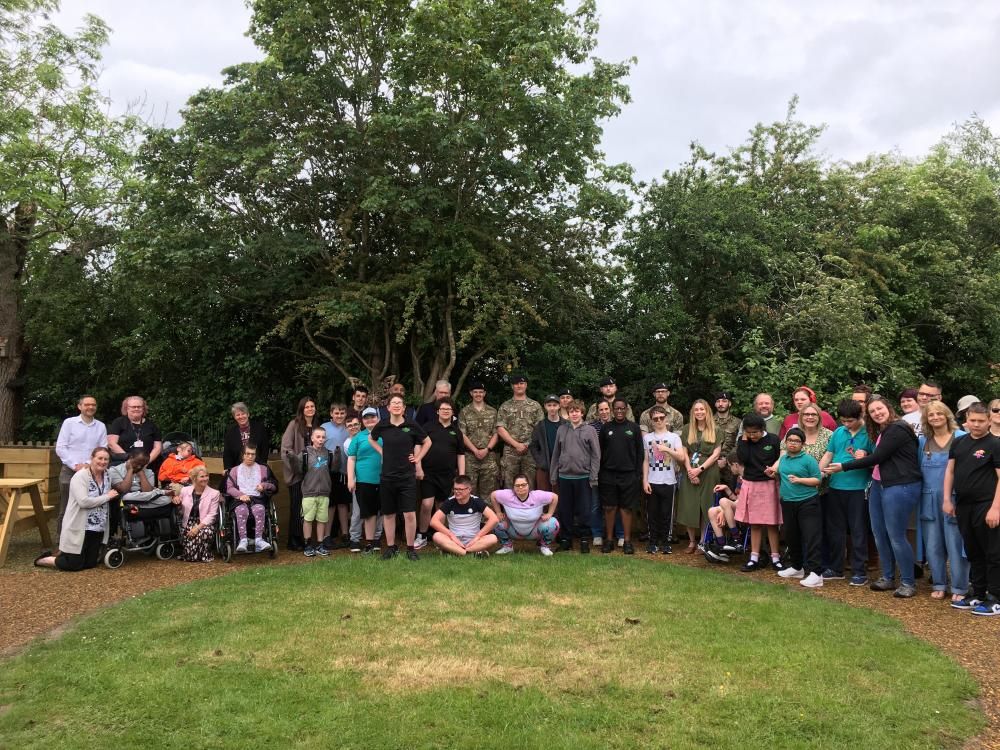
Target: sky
pixel 881 75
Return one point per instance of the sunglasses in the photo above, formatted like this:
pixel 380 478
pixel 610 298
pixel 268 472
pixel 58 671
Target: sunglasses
pixel 995 410
pixel 664 419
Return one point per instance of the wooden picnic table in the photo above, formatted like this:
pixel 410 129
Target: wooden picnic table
pixel 17 514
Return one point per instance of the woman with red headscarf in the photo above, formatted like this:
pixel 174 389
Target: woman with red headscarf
pixel 801 398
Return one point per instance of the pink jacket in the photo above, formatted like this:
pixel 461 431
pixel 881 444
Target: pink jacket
pixel 208 508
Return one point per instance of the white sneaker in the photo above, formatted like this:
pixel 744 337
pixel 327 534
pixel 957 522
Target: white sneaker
pixel 621 542
pixel 812 581
pixel 505 549
pixel 242 546
pixel 598 541
pixel 420 542
pixel 791 573
pixel 260 545
pixel 544 549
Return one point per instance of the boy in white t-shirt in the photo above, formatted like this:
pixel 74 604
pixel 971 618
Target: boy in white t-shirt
pixel 525 514
pixel 663 451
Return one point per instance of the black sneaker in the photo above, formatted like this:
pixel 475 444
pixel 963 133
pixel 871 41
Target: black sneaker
pixel 356 546
pixel 832 575
pixel 751 566
pixel 565 545
pixel 390 552
pixel 608 545
pixel 369 549
pixel 411 555
pixel 628 548
pixel 585 547
pixel 665 549
pixel 883 584
pixel 714 555
pixel 652 549
pixel 482 554
pixel 321 551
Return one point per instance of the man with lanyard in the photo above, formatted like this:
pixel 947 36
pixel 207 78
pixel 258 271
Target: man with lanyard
pixel 516 419
pixel 340 497
pixel 458 524
pixel 440 465
pixel 728 425
pixel 620 480
pixel 78 437
pixel 133 430
pixel 609 391
pixel 478 423
pixel 675 420
pixel 403 443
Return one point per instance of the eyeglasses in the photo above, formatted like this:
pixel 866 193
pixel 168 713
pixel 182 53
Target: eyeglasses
pixel 664 419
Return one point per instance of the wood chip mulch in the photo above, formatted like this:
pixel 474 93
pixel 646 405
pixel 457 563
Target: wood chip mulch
pixel 38 603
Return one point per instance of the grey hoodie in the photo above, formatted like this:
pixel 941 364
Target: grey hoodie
pixel 577 452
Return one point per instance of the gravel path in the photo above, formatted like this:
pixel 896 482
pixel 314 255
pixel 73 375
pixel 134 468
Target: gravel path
pixel 40 603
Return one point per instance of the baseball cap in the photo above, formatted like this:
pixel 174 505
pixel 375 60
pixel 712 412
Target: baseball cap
pixel 553 398
pixel 369 412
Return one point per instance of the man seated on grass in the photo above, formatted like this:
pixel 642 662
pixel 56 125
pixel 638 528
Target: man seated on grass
pixel 458 524
pixel 525 514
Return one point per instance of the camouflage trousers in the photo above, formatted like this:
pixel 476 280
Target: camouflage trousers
pixel 484 474
pixel 512 464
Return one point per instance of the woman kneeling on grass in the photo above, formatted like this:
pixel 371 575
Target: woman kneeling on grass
pixel 85 522
pixel 200 507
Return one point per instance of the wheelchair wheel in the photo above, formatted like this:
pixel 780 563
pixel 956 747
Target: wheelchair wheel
pixel 227 552
pixel 273 552
pixel 114 558
pixel 165 550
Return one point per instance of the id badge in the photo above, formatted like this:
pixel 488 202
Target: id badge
pixel 137 444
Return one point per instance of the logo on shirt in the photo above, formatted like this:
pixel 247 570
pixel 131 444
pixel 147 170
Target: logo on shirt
pixel 979 453
pixel 406 429
pixel 629 433
pixel 768 447
pixel 451 432
pixel 610 433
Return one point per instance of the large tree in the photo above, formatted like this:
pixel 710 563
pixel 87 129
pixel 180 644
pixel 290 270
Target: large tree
pixel 61 164
pixel 399 187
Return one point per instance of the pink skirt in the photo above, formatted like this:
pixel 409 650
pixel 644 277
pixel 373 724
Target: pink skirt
pixel 758 504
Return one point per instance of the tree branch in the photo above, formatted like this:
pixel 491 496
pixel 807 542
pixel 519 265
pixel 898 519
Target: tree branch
pixel 327 354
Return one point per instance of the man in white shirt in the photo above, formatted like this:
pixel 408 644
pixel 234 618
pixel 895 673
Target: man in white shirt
pixel 78 437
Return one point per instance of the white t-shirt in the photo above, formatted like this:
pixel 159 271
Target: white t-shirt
pixel 913 419
pixel 662 469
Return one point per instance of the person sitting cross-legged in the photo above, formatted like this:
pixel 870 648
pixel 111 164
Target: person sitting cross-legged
pixel 525 514
pixel 463 525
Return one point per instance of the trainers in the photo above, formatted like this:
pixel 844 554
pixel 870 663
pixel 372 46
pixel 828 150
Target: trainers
pixel 971 601
pixel 356 545
pixel 242 546
pixel 482 554
pixel 778 565
pixel 509 549
pixel 859 580
pixel 607 547
pixel 731 545
pixel 753 565
pixel 598 541
pixel 905 591
pixel 322 551
pixel 309 551
pixel 652 549
pixel 390 552
pixel 883 584
pixel 369 549
pixel 412 556
pixel 812 581
pixel 621 542
pixel 790 572
pixel 260 545
pixel 628 548
pixel 420 542
pixel 545 549
pixel 565 545
pixel 987 609
pixel 714 556
pixel 585 547
pixel 831 575
pixel 665 549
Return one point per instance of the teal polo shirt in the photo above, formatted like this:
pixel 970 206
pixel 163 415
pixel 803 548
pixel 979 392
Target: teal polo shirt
pixel 842 446
pixel 803 466
pixel 368 462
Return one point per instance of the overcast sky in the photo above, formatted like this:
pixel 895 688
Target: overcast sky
pixel 881 75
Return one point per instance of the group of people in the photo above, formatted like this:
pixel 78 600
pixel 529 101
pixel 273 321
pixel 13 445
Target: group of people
pixel 560 473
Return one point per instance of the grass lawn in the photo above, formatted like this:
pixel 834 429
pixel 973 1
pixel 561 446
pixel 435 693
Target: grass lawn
pixel 517 652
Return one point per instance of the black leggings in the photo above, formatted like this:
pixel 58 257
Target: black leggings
pixel 295 538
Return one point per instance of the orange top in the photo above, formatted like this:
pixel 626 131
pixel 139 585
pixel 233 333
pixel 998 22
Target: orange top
pixel 174 469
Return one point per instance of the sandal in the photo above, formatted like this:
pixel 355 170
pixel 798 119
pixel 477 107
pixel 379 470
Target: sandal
pixel 692 548
pixel 937 595
pixel 46 553
pixel 957 598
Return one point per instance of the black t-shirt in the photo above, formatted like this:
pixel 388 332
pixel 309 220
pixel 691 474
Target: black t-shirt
pixel 756 457
pixel 622 448
pixel 398 442
pixel 976 464
pixel 464 520
pixel 128 433
pixel 475 505
pixel 446 446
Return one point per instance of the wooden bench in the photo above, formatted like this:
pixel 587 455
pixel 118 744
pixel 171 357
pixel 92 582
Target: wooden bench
pixel 18 512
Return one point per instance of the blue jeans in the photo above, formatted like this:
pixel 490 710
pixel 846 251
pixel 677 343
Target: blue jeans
pixel 597 518
pixel 890 509
pixel 943 544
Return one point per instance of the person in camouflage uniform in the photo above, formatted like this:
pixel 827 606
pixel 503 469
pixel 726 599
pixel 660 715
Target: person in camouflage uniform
pixel 609 392
pixel 675 420
pixel 728 426
pixel 478 423
pixel 516 419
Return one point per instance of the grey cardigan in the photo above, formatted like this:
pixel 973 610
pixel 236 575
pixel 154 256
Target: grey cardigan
pixel 74 524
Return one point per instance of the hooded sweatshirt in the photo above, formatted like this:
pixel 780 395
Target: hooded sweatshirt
pixel 577 453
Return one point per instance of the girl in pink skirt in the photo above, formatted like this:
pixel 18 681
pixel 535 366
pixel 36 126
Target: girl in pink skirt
pixel 758 505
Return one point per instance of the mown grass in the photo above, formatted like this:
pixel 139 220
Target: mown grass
pixel 520 652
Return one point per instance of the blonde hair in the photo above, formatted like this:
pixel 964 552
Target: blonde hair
pixel 815 408
pixel 708 434
pixel 196 471
pixel 937 406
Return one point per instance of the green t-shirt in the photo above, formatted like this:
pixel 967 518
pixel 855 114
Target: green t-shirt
pixel 842 446
pixel 803 466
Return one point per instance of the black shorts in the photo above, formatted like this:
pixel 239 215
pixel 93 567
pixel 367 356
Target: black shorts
pixel 88 557
pixel 369 503
pixel 339 494
pixel 398 495
pixel 619 491
pixel 438 486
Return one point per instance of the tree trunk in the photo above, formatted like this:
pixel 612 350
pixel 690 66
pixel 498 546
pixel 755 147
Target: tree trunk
pixel 15 236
